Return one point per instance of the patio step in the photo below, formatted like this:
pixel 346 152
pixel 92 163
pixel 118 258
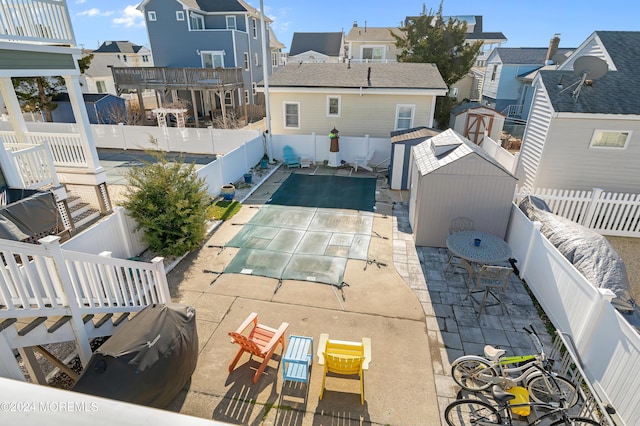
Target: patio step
pixel 82 213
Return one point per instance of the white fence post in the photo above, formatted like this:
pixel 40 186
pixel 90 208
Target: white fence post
pixel 52 244
pixel 591 209
pixel 9 367
pixel 161 279
pixel 535 233
pixel 126 236
pixel 592 315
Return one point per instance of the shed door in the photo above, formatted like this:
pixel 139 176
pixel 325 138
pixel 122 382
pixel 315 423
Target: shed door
pixel 477 127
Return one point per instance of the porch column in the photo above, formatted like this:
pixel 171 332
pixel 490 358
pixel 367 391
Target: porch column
pixel 13 108
pixel 82 120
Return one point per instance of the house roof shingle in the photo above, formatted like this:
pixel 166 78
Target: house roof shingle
pixel 326 43
pixel 122 46
pixel 395 75
pixel 525 55
pixel 617 92
pixel 373 34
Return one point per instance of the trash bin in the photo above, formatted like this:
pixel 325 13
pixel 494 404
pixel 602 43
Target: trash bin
pixel 248 177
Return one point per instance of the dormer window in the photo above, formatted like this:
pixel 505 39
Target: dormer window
pixel 196 21
pixel 231 23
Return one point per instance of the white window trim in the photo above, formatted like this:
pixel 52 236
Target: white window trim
pixel 247 63
pixel 374 46
pixel 255 27
pixel 230 99
pixel 199 18
pixel 151 15
pixel 595 132
pixel 413 113
pixel 256 59
pixel 212 53
pixel 339 105
pixel 254 87
pixel 247 99
pixel 179 15
pixel 235 23
pixel 284 114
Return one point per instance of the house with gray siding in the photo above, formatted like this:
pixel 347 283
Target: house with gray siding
pixel 209 34
pixel 584 132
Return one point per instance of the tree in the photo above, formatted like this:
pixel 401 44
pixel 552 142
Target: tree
pixel 428 38
pixel 169 202
pixel 36 93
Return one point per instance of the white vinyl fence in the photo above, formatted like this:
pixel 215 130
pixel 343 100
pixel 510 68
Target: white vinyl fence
pixel 508 160
pixel 608 346
pixel 608 213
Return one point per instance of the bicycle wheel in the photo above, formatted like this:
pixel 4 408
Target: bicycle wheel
pixel 575 421
pixel 542 390
pixel 469 373
pixel 471 411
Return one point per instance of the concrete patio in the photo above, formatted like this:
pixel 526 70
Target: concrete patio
pixel 401 297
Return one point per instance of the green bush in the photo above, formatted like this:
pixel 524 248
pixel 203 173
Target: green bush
pixel 169 202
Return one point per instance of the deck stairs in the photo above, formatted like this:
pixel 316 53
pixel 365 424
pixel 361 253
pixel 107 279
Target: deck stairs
pixel 82 213
pixel 50 295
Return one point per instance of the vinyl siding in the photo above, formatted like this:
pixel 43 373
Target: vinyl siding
pixel 592 48
pixel 535 135
pixel 569 163
pixel 490 88
pixel 370 114
pixel 391 52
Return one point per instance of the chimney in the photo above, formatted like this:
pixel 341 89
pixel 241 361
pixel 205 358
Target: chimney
pixel 355 24
pixel 553 49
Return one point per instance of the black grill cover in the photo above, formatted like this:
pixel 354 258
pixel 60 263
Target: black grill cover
pixel 148 361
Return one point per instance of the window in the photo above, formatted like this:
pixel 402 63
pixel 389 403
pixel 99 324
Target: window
pixel 253 88
pixel 213 59
pixel 333 106
pixel 274 59
pixel 179 15
pixel 246 97
pixel 228 99
pixel 124 58
pixel 256 60
pixel 493 72
pixel 373 53
pixel 101 87
pixel 610 139
pixel 453 92
pixel 292 115
pixel 246 61
pixel 145 58
pixel 151 15
pixel 231 23
pixel 404 117
pixel 254 24
pixel 197 22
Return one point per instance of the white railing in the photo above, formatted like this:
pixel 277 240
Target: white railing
pixel 35 166
pixel 608 213
pixel 67 149
pixel 605 341
pixel 508 160
pixel 513 110
pixel 36 21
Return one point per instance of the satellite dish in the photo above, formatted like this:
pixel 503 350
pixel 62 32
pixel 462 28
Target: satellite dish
pixel 590 66
pixel 559 58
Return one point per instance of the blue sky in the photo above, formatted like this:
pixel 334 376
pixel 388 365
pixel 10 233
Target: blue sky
pixel 524 23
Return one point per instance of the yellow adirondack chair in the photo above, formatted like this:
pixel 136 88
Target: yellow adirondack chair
pixel 344 358
pixel 262 342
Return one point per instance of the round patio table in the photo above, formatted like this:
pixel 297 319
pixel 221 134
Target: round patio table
pixel 491 249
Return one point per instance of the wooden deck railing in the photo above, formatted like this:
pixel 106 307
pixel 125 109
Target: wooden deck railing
pixel 183 78
pixel 36 21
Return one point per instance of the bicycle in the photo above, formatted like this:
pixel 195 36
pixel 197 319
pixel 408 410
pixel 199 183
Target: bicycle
pixel 481 413
pixel 476 373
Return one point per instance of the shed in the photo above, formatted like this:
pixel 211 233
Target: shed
pixel 451 177
pixel 102 108
pixel 475 121
pixel 401 143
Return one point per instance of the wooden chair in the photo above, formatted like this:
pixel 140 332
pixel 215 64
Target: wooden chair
pixel 290 159
pixel 344 358
pixel 459 224
pixel 262 342
pixel 491 281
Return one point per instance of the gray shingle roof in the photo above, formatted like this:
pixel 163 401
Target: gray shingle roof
pixel 395 75
pixel 445 148
pixel 525 55
pixel 415 134
pixel 118 47
pixel 617 92
pixel 326 43
pixel 215 5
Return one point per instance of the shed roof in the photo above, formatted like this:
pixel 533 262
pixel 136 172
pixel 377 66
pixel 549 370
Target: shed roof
pixel 88 97
pixel 414 134
pixel 445 148
pixel 472 105
pixel 394 75
pixel 326 43
pixel 617 92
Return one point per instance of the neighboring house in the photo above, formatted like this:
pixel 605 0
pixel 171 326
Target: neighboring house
pixel 98 78
pixel 585 135
pixel 126 52
pixel 278 58
pixel 208 34
pixel 372 44
pixel 102 108
pixel 475 32
pixel 502 87
pixel 357 99
pixel 317 48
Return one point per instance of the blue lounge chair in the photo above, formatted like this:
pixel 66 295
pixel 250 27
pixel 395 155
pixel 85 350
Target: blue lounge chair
pixel 290 158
